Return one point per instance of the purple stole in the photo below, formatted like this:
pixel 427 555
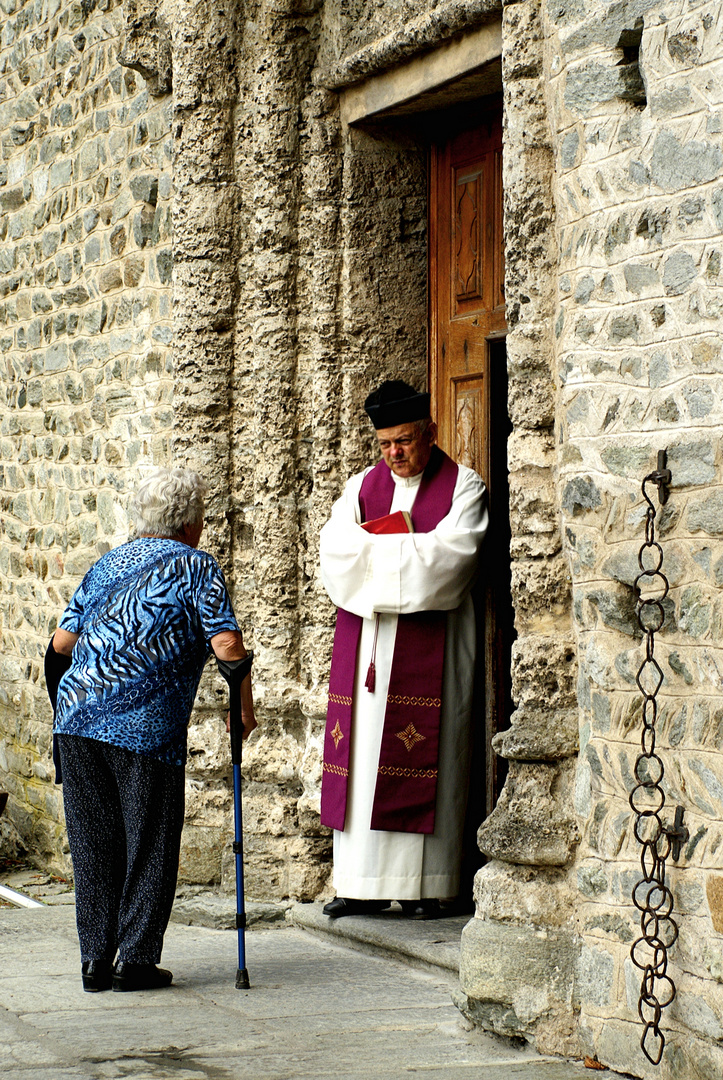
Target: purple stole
pixel 406 788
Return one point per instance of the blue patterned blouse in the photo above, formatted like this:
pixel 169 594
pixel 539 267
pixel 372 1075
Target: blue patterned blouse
pixel 145 614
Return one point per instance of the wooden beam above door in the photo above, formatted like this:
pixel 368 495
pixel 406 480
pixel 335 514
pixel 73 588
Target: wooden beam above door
pixel 426 81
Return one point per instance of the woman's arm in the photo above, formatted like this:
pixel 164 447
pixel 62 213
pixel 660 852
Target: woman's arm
pixel 64 642
pixel 229 645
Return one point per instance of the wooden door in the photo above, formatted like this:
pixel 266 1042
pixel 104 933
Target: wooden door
pixel 468 382
pixel 466 285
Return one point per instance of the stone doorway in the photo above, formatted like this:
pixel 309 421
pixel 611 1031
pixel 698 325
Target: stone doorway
pixel 447 106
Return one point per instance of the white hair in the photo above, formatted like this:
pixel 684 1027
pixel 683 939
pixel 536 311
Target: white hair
pixel 168 499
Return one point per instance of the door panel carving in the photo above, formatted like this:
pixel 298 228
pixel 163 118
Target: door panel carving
pixel 468 246
pixel 469 422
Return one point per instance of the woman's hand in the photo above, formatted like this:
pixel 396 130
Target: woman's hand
pixel 229 645
pixel 247 717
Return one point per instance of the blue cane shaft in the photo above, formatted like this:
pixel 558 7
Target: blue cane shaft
pixel 238 847
pixel 234 672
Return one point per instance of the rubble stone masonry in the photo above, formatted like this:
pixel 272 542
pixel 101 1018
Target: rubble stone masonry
pixel 635 101
pixel 85 333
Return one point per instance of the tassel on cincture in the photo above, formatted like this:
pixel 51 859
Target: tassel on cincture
pixel 371 678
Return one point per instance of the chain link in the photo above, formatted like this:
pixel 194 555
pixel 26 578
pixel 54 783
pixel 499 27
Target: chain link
pixel 651 895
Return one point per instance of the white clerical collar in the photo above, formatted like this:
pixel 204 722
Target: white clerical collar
pixel 408 481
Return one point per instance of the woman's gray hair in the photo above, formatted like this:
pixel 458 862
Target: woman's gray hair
pixel 168 499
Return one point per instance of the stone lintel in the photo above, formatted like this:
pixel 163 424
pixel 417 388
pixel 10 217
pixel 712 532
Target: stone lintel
pixel 449 19
pixel 469 57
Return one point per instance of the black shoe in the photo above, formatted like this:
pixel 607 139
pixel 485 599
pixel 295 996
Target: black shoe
pixel 129 976
pixel 97 975
pixel 421 909
pixel 344 906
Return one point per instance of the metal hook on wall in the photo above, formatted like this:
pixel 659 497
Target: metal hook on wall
pixel 661 477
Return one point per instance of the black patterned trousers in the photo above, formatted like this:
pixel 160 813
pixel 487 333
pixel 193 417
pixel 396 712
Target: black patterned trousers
pixel 124 814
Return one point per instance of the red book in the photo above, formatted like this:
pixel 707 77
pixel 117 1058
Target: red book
pixel 399 522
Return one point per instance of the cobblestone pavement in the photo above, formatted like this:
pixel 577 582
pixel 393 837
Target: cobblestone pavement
pixel 315 1009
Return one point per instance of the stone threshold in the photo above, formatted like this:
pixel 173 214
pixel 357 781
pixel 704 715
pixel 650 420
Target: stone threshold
pixel 198 906
pixel 430 944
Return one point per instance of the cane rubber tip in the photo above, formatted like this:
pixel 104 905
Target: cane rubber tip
pixel 242 979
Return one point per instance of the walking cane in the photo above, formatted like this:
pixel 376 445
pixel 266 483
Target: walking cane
pixel 234 672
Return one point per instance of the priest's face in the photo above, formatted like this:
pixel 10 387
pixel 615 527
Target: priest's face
pixel 407 447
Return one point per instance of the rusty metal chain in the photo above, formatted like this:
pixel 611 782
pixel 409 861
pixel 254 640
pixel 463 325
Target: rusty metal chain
pixel 652 896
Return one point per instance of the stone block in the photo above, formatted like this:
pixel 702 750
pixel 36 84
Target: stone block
pixel 205 135
pixel 201 851
pixel 144 188
pixel 618 1046
pixel 11 843
pixel 694 463
pixel 110 278
pixel 133 268
pixel 532 822
pixel 541 591
pixel 522 41
pixel 539 737
pixel 679 272
pixel 203 222
pixel 714 893
pixel 591 84
pixel 544 673
pixel 675 166
pixel 594 977
pixel 699 1012
pixel 56 357
pixel 533 503
pixel 518 981
pixel 543 897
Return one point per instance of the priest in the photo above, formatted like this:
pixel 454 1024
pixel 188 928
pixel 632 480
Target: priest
pixel 398 558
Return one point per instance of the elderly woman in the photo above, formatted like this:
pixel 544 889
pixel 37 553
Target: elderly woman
pixel 139 630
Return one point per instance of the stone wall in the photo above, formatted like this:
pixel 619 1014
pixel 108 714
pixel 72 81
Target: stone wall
pixel 298 279
pixel 613 131
pixel 519 952
pixel 85 329
pixel 636 107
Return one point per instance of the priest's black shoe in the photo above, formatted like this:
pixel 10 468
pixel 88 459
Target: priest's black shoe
pixel 421 909
pixel 97 975
pixel 128 976
pixel 342 905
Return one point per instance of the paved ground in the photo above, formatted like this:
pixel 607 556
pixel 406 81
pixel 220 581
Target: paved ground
pixel 316 1009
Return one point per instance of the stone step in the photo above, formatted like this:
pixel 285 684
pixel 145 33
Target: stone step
pixel 429 944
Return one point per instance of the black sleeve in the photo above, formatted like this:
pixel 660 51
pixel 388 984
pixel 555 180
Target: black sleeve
pixel 56 666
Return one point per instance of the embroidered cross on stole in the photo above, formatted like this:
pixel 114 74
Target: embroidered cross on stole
pixel 406 787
